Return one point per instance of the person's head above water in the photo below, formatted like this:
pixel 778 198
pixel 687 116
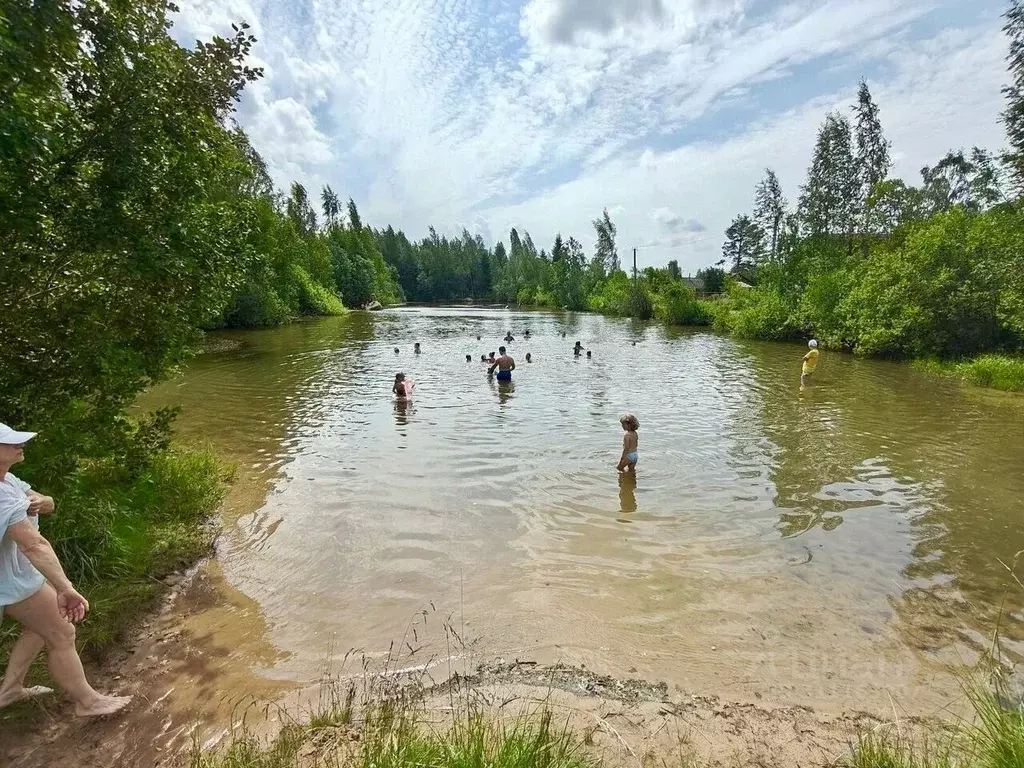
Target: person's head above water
pixel 501 350
pixel 579 345
pixel 478 338
pixel 588 353
pixel 416 347
pixel 399 377
pixel 469 358
pixel 483 358
pixel 396 350
pixel 813 344
pixel 629 422
pixel 491 355
pixel 529 357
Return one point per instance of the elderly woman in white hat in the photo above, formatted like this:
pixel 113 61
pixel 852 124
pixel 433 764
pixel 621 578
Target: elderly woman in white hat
pixel 35 592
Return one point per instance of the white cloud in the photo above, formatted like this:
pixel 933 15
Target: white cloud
pixel 453 112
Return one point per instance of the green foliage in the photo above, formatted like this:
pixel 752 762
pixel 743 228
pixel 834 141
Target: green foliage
pixel 924 297
pixel 757 313
pixel 678 305
pixel 994 371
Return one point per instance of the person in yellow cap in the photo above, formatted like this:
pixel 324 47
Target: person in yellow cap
pixel 810 363
pixel 36 593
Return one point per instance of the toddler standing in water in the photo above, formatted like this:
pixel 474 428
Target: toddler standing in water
pixel 630 443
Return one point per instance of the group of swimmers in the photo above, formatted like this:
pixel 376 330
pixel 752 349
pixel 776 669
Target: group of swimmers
pixel 504 364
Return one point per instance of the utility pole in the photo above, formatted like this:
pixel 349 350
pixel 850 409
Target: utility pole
pixel 634 263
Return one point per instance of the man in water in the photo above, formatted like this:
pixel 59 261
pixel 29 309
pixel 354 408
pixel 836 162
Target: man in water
pixel 504 364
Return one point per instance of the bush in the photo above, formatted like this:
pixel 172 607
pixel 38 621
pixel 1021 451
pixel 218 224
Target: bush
pixel 924 298
pixel 1001 372
pixel 314 298
pixel 678 305
pixel 756 313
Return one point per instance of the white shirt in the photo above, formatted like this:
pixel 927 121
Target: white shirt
pixel 18 577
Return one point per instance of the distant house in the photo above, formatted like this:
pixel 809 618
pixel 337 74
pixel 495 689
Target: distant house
pixel 697 283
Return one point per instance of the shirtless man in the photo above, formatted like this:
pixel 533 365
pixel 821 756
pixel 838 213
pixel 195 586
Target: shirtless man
pixel 504 364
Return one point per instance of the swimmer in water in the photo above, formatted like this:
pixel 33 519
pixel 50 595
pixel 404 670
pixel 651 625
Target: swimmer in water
pixel 589 354
pixel 402 388
pixel 483 358
pixel 810 363
pixel 505 366
pixel 469 358
pixel 630 444
pixel 416 347
pixel 529 358
pixel 397 350
pixel 491 356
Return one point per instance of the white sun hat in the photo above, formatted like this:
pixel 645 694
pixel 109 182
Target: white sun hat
pixel 10 436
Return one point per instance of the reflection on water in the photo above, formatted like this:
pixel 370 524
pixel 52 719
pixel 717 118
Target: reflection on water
pixel 833 546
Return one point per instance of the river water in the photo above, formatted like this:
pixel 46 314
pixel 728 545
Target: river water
pixel 841 547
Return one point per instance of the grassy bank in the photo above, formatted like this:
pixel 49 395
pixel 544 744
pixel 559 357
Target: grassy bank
pixel 119 528
pixel 465 731
pixel 399 734
pixel 1003 372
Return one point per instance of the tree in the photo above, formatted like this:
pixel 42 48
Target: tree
pixel 744 246
pixel 872 158
pixel 973 183
pixel 300 211
pixel 1013 117
pixel 828 200
pixel 500 254
pixel 353 215
pixel 770 210
pixel 673 270
pixel 558 249
pixel 606 250
pixel 331 206
pixel 712 278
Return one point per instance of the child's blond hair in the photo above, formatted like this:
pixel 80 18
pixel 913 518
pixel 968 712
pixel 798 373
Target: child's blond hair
pixel 630 422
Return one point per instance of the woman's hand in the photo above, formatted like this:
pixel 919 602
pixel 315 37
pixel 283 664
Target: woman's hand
pixel 39 504
pixel 72 606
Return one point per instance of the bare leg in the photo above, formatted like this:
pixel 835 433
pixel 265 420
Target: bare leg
pixel 24 652
pixel 39 615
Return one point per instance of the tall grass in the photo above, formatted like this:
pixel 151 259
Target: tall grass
pixel 398 732
pixel 1003 372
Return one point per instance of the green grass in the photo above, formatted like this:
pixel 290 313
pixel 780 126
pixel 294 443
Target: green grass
pixel 1003 372
pixel 395 731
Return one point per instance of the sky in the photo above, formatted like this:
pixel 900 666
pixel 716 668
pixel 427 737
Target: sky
pixel 538 114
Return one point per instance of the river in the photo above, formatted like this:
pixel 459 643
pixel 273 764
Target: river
pixel 841 547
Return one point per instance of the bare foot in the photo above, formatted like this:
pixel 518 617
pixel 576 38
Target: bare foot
pixel 104 705
pixel 21 694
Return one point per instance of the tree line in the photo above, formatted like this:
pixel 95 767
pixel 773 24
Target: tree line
pixel 871 264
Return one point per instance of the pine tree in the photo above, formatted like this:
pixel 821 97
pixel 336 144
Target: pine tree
pixel 558 249
pixel 300 211
pixel 606 250
pixel 1013 117
pixel 770 210
pixel 331 206
pixel 744 246
pixel 516 245
pixel 673 270
pixel 828 201
pixel 353 216
pixel 873 162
